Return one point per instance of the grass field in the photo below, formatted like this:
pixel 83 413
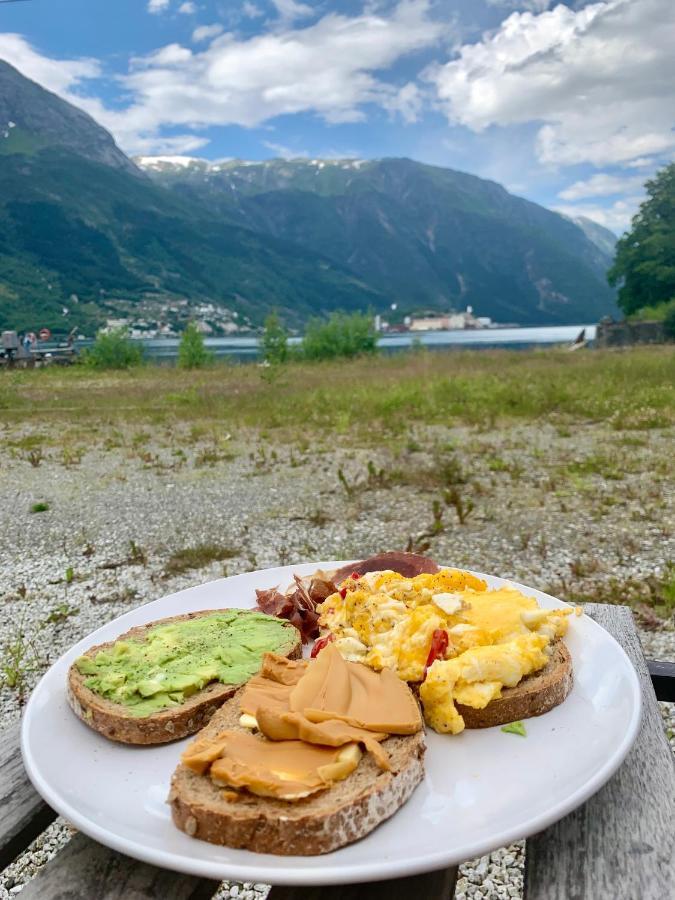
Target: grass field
pixel 359 401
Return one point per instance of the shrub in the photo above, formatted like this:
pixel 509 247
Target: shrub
pixel 274 341
pixel 341 336
pixel 192 354
pixel 114 350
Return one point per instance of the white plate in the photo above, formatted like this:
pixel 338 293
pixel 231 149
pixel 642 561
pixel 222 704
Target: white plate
pixel 482 790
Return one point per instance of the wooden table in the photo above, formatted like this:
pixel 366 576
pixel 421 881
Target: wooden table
pixel 620 845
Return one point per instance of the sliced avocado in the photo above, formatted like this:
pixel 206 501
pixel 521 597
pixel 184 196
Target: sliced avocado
pixel 174 661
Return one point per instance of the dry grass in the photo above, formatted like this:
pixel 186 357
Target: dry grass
pixel 360 400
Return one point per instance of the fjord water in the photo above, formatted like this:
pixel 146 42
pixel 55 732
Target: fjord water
pixel 246 349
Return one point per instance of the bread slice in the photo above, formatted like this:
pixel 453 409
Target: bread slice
pixel 533 696
pixel 343 813
pixel 116 722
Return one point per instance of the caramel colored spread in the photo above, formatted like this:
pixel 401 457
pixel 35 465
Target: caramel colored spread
pixel 287 770
pixel 312 717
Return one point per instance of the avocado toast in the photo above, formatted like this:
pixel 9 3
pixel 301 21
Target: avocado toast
pixel 163 681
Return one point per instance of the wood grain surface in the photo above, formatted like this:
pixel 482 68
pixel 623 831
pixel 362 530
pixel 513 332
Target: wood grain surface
pixel 23 812
pixel 85 870
pixel 620 845
pixel 430 886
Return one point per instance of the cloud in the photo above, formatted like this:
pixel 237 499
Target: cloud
pixel 158 6
pixel 204 32
pixel 535 6
pixel 600 81
pixel 61 76
pixel 188 8
pixel 250 10
pixel 616 217
pixel 331 68
pixel 601 185
pixel 290 10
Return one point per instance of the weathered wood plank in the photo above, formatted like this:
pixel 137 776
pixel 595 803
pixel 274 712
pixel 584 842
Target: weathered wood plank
pixel 621 843
pixel 24 814
pixel 85 870
pixel 430 886
pixel 663 679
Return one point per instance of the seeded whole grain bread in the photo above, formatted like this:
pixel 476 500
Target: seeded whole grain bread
pixel 114 721
pixel 345 812
pixel 533 696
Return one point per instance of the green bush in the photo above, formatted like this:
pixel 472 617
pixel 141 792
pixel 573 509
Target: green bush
pixel 192 354
pixel 274 341
pixel 341 336
pixel 114 350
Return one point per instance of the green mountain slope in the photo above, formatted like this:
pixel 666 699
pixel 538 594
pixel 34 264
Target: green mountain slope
pixel 86 233
pixel 80 231
pixel 423 236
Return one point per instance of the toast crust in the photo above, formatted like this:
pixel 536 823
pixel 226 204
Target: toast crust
pixel 114 721
pixel 533 696
pixel 347 811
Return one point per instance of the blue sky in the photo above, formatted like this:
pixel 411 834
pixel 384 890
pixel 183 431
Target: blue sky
pixel 571 105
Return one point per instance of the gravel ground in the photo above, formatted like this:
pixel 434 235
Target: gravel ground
pixel 572 511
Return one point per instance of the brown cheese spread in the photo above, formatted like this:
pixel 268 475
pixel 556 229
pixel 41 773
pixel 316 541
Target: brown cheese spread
pixel 312 717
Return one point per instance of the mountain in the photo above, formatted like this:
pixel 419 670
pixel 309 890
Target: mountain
pixel 423 236
pixel 604 239
pixel 83 229
pixel 32 118
pixel 86 233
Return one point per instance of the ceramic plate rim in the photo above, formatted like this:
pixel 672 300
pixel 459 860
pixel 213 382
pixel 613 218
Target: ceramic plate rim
pixel 342 874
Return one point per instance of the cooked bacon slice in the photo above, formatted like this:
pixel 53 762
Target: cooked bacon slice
pixel 406 564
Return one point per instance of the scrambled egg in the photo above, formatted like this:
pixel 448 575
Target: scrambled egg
pixel 495 637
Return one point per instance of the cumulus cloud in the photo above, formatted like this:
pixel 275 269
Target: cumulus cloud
pixel 187 8
pixel 601 185
pixel 328 68
pixel 600 79
pixel 290 10
pixel 158 6
pixel 332 68
pixel 205 32
pixel 62 76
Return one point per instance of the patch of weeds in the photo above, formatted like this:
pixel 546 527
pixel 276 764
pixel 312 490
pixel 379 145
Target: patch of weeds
pixel 463 506
pixel 643 418
pixel 652 597
pixel 197 557
pixel 70 575
pixel 34 456
pixel 413 446
pixel 140 438
pixel 598 464
pixel 631 440
pixel 19 659
pixel 582 568
pixel 40 506
pixel 209 456
pixel 421 542
pixel 137 555
pixel 61 612
pixel 497 464
pixel 71 456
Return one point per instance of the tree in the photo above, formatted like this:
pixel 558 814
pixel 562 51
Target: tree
pixel 644 266
pixel 114 350
pixel 274 341
pixel 341 336
pixel 192 354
